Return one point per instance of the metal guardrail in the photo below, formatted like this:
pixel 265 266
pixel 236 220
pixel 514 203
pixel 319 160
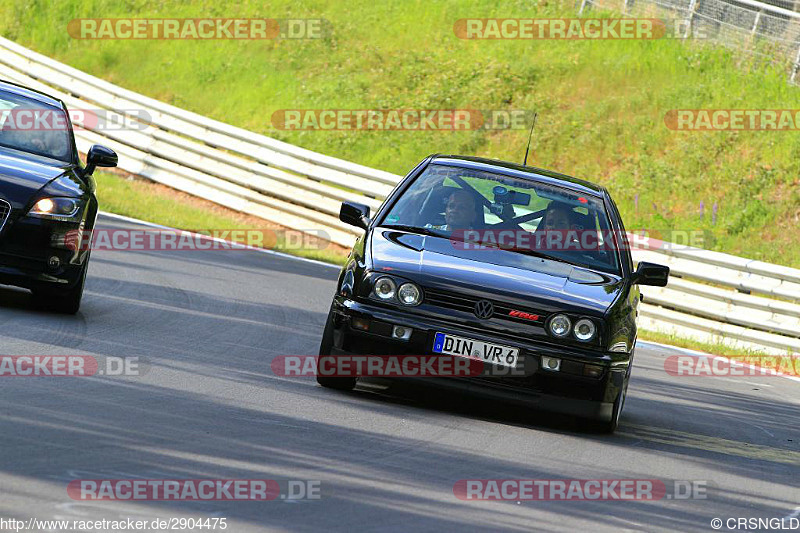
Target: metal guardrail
pixel 228 165
pixel 745 25
pixel 711 296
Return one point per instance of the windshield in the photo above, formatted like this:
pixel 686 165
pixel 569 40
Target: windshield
pixel 479 210
pixel 34 127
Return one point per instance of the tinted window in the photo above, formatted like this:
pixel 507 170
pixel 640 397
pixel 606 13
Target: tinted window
pixel 34 127
pixel 519 215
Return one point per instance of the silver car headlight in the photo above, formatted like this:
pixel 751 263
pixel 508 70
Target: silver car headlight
pixel 409 294
pixel 560 325
pixel 385 288
pixel 585 330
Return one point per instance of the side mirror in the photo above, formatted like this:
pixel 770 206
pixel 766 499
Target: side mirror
pixel 355 214
pixel 651 274
pixel 99 156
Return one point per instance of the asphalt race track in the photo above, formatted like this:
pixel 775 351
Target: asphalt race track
pixel 205 326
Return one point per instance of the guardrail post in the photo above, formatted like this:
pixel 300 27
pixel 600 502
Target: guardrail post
pixel 796 64
pixel 755 23
pixel 690 19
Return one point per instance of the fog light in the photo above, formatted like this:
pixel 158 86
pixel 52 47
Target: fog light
pixel 401 333
pixel 360 323
pixel 551 363
pixel 54 262
pixel 593 371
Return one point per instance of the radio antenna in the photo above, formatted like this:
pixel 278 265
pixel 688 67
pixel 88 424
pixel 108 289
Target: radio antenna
pixel 525 162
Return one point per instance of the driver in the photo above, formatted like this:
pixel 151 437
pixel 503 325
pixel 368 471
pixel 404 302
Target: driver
pixel 460 212
pixel 557 216
pixel 553 232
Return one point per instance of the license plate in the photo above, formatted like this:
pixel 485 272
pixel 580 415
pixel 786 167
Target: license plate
pixel 483 351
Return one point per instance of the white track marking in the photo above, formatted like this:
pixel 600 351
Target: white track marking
pixel 731 361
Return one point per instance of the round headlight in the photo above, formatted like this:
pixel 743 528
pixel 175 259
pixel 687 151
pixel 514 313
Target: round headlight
pixel 66 206
pixel 560 326
pixel 585 330
pixel 409 294
pixel 385 288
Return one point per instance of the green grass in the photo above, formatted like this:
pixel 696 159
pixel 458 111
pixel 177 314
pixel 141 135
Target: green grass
pixel 784 362
pixel 601 103
pixel 715 348
pixel 136 199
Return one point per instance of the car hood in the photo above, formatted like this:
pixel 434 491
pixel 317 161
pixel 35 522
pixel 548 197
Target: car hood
pixel 23 176
pixel 523 280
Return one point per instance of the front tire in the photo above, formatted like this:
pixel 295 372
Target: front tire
pixel 62 301
pixel 610 426
pixel 325 346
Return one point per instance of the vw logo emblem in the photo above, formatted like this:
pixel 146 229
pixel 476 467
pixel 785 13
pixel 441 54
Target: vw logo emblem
pixel 484 309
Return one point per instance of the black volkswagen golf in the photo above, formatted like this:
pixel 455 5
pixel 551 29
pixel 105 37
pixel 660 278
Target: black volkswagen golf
pixel 523 269
pixel 47 198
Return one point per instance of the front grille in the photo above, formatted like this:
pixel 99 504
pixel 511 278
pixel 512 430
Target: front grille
pixel 450 301
pixel 5 210
pixel 464 303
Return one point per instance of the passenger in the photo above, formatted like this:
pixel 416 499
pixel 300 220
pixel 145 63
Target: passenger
pixel 26 140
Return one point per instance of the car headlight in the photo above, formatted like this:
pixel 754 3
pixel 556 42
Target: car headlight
pixel 408 294
pixel 585 330
pixel 56 208
pixel 385 288
pixel 560 325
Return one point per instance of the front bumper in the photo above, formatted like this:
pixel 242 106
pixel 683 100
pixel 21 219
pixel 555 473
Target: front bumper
pixel 28 247
pixel 567 391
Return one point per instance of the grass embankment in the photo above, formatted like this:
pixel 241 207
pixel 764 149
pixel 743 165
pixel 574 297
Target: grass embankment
pixel 601 103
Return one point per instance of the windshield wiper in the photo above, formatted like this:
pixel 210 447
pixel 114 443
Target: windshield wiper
pixel 536 253
pixel 413 229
